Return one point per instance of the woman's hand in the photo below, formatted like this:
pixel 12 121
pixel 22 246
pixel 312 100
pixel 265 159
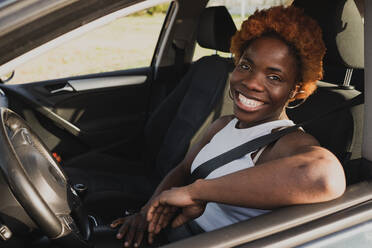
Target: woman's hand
pixel 133 227
pixel 166 205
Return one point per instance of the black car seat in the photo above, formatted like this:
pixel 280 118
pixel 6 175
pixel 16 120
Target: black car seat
pixel 169 129
pixel 342 27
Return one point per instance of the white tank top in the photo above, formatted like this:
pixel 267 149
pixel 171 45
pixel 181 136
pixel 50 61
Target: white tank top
pixel 217 215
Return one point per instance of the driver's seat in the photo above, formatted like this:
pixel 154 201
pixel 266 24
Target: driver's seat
pixel 169 130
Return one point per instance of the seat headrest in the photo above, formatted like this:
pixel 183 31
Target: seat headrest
pixel 216 28
pixel 343 29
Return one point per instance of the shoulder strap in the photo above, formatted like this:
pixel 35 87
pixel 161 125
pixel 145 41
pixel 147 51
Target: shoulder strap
pixel 203 170
pixel 206 168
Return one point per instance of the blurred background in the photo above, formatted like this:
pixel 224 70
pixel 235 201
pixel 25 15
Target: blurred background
pixel 110 48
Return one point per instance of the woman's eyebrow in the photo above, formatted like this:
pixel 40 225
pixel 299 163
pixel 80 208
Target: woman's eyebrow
pixel 274 69
pixel 247 59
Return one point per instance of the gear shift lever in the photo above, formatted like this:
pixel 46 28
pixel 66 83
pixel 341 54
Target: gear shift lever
pixel 81 190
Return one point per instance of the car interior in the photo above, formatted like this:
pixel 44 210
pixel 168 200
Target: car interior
pixel 117 141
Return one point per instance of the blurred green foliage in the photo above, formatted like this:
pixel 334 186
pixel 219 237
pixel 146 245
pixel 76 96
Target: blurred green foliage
pixel 161 8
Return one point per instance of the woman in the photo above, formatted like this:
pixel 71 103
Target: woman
pixel 278 54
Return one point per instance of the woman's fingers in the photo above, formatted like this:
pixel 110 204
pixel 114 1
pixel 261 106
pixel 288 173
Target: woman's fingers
pixel 155 218
pixel 164 218
pixel 139 237
pixel 122 230
pixel 161 220
pixel 168 217
pixel 180 220
pixel 150 213
pixel 152 218
pixel 150 237
pixel 130 235
pixel 117 222
pixel 133 229
pixel 140 229
pixel 136 231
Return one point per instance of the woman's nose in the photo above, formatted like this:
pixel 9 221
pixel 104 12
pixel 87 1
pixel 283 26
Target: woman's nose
pixel 254 82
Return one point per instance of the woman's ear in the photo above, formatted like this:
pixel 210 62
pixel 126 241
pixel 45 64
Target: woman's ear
pixel 296 90
pixel 293 97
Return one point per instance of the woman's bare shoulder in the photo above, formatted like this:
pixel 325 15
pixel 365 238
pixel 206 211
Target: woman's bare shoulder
pixel 221 122
pixel 294 142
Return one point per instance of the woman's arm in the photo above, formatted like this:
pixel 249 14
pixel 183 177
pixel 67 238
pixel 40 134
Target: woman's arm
pixel 134 226
pixel 312 175
pixel 302 172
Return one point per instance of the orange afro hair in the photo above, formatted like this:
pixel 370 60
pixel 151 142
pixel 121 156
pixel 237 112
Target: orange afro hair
pixel 296 29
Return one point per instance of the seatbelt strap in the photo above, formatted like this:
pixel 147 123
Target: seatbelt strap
pixel 207 167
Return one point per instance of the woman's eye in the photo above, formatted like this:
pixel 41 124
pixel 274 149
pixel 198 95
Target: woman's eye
pixel 245 66
pixel 275 78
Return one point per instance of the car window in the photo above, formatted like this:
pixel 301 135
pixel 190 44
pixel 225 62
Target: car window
pixel 239 11
pixel 4 3
pixel 127 42
pixel 355 236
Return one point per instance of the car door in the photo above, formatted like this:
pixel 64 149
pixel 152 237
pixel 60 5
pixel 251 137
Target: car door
pixel 93 93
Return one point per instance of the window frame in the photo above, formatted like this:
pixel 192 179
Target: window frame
pixel 11 65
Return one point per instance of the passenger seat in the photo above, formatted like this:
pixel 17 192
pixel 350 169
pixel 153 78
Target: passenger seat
pixel 342 27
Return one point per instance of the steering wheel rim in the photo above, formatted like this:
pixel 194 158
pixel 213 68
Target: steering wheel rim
pixel 44 199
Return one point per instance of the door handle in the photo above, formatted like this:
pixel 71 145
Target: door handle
pixel 65 88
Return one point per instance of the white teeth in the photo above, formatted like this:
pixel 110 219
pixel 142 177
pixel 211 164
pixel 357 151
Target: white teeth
pixel 249 102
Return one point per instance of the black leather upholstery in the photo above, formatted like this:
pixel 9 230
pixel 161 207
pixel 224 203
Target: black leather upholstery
pixel 337 132
pixel 167 133
pixel 206 81
pixel 216 28
pixel 341 132
pixel 338 19
pixel 339 22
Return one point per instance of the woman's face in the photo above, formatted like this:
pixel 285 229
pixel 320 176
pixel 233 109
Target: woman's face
pixel 263 81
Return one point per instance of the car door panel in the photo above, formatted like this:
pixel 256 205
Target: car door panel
pixel 99 110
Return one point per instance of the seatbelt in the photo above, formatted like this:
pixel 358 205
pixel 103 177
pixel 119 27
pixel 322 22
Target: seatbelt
pixel 203 170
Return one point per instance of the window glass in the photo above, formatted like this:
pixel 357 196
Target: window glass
pixel 127 42
pixel 356 236
pixel 239 11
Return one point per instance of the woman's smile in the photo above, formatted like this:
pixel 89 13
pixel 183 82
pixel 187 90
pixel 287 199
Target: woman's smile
pixel 248 104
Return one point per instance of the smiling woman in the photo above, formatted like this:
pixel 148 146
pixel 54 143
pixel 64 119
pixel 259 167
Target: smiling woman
pixel 277 61
pixel 117 134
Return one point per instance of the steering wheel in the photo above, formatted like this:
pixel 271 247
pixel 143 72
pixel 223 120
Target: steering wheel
pixel 39 185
